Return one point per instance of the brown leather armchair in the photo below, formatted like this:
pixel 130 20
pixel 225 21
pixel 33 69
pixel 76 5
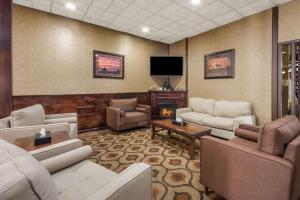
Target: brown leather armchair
pixel 260 163
pixel 127 113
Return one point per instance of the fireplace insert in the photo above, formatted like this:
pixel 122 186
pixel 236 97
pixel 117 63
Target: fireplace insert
pixel 167 110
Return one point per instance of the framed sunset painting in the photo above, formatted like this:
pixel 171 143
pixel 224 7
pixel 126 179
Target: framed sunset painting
pixel 219 64
pixel 108 65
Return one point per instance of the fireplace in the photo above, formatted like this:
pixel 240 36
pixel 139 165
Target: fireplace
pixel 165 103
pixel 166 110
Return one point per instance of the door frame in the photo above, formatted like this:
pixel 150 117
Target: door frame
pixel 279 82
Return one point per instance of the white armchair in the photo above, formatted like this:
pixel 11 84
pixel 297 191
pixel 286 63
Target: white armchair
pixel 27 121
pixel 68 176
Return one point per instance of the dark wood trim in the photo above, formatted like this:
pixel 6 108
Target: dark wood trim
pixel 187 64
pixel 274 63
pixel 5 57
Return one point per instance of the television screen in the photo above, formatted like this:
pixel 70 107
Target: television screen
pixel 166 65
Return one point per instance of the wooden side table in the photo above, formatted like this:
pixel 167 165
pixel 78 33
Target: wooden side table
pixel 27 143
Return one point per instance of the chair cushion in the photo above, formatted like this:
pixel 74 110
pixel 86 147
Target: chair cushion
pixel 275 136
pixel 21 173
pixel 194 117
pixel 201 105
pixel 81 180
pixel 30 116
pixel 126 105
pixel 218 122
pixel 133 117
pixel 232 109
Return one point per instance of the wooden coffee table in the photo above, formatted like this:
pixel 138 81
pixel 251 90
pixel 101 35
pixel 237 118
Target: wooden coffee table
pixel 189 131
pixel 27 143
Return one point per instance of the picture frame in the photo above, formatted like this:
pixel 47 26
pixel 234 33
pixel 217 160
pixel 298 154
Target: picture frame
pixel 108 65
pixel 219 64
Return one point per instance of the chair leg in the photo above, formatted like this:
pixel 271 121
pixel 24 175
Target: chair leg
pixel 206 190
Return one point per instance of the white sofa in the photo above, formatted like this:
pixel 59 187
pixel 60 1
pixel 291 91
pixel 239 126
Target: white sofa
pixel 222 116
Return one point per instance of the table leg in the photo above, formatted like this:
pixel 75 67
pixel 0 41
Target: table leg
pixel 153 132
pixel 192 148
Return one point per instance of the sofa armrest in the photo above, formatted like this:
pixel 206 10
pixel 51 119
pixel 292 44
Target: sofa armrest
pixel 182 110
pixel 135 182
pixel 56 149
pixel 67 159
pixel 249 127
pixel 11 134
pixel 237 172
pixel 249 119
pixel 248 132
pixel 113 116
pixel 62 115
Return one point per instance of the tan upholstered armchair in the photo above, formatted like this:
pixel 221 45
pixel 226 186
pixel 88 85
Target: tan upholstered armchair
pixel 127 113
pixel 258 164
pixel 30 120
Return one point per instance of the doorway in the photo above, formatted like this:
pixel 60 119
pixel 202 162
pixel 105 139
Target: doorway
pixel 289 78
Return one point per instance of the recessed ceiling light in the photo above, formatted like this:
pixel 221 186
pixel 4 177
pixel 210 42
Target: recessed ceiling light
pixel 70 6
pixel 195 2
pixel 145 30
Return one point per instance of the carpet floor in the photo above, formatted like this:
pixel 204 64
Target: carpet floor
pixel 175 175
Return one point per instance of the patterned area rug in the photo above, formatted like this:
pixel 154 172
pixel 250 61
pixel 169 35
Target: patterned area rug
pixel 175 176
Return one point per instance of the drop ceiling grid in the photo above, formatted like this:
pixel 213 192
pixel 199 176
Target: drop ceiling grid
pixel 168 20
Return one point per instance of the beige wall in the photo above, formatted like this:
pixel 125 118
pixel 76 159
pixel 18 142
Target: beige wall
pixel 179 49
pixel 53 55
pixel 289 21
pixel 251 39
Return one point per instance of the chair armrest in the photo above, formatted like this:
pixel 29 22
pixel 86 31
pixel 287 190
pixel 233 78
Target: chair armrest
pixel 61 118
pixel 62 115
pixel 5 123
pixel 237 172
pixel 249 119
pixel 67 159
pixel 56 149
pixel 143 108
pixel 135 182
pixel 248 127
pixel 113 116
pixel 10 134
pixel 183 110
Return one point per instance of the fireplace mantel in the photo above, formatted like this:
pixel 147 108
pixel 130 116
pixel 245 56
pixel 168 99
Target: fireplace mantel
pixel 175 97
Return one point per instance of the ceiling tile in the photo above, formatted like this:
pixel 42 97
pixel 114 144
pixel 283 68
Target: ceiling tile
pixel 168 20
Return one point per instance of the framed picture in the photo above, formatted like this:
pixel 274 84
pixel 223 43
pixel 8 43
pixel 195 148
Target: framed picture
pixel 108 65
pixel 219 64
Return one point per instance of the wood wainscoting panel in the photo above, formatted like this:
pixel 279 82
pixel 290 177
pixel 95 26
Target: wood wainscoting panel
pixel 89 107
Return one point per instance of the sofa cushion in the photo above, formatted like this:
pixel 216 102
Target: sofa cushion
pixel 202 105
pixel 194 117
pixel 218 122
pixel 81 180
pixel 275 136
pixel 134 117
pixel 126 105
pixel 232 109
pixel 20 172
pixel 30 116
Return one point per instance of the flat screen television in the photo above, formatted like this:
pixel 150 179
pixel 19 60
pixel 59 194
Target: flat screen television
pixel 166 66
